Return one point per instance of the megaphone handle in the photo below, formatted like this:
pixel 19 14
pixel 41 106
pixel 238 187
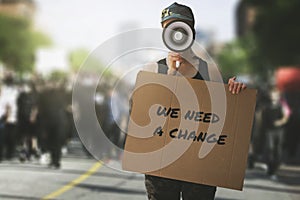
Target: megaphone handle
pixel 177 64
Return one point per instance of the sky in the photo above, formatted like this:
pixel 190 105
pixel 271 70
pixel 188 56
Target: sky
pixel 75 24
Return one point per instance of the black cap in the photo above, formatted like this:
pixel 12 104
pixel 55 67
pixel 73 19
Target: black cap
pixel 178 11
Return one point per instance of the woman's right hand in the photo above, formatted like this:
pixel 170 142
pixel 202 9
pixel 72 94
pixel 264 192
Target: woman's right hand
pixel 171 60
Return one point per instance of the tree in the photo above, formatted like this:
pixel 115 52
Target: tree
pixel 18 43
pixel 40 39
pixel 277 31
pixel 17 50
pixel 77 57
pixel 273 41
pixel 233 59
pixel 242 56
pixel 81 56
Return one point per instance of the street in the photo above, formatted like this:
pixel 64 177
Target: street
pixel 81 177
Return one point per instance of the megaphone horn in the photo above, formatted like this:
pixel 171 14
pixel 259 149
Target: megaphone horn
pixel 178 36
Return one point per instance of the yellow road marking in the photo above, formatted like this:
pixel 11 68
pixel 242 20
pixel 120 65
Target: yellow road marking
pixel 73 183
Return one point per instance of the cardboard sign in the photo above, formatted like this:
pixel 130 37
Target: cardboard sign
pixel 190 130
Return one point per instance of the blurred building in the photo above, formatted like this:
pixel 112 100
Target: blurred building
pixel 245 17
pixel 20 8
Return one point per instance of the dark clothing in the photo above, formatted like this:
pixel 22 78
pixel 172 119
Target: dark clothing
pixel 273 137
pixel 159 188
pixel 10 140
pixel 163 68
pixel 274 142
pixel 163 188
pixel 109 125
pixel 267 137
pixel 2 125
pixel 53 122
pixel 27 127
pixel 26 102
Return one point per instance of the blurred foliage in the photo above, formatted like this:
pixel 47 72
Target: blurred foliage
pixel 277 30
pixel 273 42
pixel 58 76
pixel 77 57
pixel 40 39
pixel 242 56
pixel 233 59
pixel 81 56
pixel 18 43
pixel 17 48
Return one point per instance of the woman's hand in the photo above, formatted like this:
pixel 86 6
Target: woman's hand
pixel 184 66
pixel 235 87
pixel 171 60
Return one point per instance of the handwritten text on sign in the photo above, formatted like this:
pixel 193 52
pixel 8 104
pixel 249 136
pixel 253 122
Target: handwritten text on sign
pixel 198 116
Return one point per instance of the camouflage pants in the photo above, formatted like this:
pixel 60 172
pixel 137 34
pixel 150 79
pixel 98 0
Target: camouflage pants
pixel 165 189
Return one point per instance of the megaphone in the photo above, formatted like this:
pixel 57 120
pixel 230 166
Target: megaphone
pixel 178 37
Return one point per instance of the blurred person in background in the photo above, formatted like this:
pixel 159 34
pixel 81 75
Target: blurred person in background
pixel 111 116
pixel 27 117
pixel 274 118
pixel 267 140
pixel 2 124
pixel 100 107
pixel 3 119
pixel 53 120
pixel 8 114
pixel 258 136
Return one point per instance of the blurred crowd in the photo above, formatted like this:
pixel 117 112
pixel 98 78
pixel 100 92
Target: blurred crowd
pixel 110 97
pixel 36 118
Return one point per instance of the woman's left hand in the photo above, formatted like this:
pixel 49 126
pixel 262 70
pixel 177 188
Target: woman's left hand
pixel 235 87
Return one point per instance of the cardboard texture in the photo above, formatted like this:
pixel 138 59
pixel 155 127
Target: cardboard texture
pixel 190 130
